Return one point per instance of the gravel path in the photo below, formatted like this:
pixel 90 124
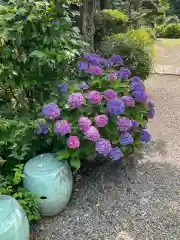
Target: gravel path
pixel 135 201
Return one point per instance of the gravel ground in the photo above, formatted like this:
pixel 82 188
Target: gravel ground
pixel 167 52
pixel 135 201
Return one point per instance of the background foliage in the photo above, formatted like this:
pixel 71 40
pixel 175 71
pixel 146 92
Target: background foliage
pixel 38 47
pixel 134 47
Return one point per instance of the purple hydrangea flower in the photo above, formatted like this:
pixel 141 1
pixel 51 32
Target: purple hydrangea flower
pixel 117 59
pixel 112 76
pixel 51 111
pixel 137 86
pixel 95 70
pixel 45 130
pixel 145 136
pixel 95 61
pixel 115 106
pixel 76 100
pixel 37 131
pixel 83 86
pixel 124 73
pixel 103 147
pixel 125 138
pixel 110 94
pixel 90 56
pixel 116 154
pixel 63 87
pixel 41 128
pixel 135 79
pixel 94 96
pixel 92 134
pixel 82 65
pixel 151 109
pixel 134 123
pixel 108 63
pixel 140 96
pixel 101 120
pixel 129 101
pixel 62 127
pixel 84 123
pixel 123 124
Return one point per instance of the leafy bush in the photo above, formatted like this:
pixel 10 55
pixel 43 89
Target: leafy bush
pixel 9 185
pixel 171 30
pixel 38 49
pixel 134 47
pixel 105 116
pixel 37 46
pixel 112 21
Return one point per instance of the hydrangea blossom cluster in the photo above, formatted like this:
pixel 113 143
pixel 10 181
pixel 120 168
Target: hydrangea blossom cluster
pixel 92 134
pixel 84 123
pixel 94 97
pixel 101 120
pixel 62 127
pixel 75 100
pixel 51 111
pixel 110 118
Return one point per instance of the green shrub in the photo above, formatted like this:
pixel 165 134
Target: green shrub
pixel 135 49
pixel 112 21
pixel 38 49
pixel 171 30
pixel 10 185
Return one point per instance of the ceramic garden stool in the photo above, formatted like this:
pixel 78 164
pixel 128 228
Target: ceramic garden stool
pixel 51 180
pixel 14 224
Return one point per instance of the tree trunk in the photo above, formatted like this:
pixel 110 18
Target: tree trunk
pixel 87 16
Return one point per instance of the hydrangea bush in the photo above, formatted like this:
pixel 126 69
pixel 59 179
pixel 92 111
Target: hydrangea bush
pixel 105 115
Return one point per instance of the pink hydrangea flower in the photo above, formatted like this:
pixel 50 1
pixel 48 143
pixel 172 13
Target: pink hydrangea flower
pixel 92 134
pixel 101 120
pixel 62 127
pixel 84 123
pixel 73 142
pixel 76 100
pixel 95 70
pixel 94 96
pixel 110 94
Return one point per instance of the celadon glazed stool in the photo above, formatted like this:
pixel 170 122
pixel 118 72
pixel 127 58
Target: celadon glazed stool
pixel 51 180
pixel 14 224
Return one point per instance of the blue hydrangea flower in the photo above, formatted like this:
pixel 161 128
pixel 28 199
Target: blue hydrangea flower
pixel 135 79
pixel 116 154
pixel 63 87
pixel 151 109
pixel 41 128
pixel 103 147
pixel 115 106
pixel 82 65
pixel 83 86
pixel 90 56
pixel 117 59
pixel 137 86
pixel 126 138
pixel 140 96
pixel 51 111
pixel 124 73
pixel 135 124
pixel 108 63
pixel 145 136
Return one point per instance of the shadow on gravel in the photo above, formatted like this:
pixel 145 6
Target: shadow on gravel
pixel 139 198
